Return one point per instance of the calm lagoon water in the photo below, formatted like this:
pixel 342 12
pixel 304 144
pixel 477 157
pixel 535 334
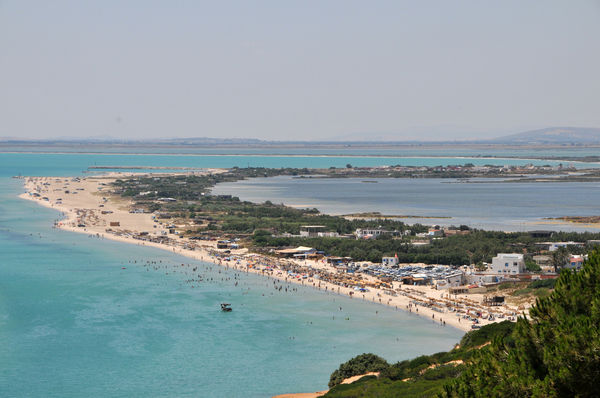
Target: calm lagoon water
pixel 73 323
pixel 488 205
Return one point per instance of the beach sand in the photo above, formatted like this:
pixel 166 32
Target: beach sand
pixel 303 395
pixel 317 394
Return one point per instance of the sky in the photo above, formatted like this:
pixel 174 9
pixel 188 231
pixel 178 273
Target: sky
pixel 297 70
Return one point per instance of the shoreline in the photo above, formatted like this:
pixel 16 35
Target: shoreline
pixel 405 298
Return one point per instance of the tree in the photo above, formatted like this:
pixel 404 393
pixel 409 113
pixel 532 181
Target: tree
pixel 532 266
pixel 358 253
pixel 559 258
pixel 358 365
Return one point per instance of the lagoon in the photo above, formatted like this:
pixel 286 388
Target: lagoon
pixel 481 203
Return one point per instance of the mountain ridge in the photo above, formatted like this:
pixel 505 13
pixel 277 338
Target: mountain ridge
pixel 544 136
pixel 554 135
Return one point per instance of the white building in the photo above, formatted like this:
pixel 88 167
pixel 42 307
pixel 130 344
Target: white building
pixel 372 233
pixel 311 230
pixel 435 232
pixel 328 235
pixel 449 281
pixel 481 279
pixel 507 264
pixel 389 261
pixel 556 245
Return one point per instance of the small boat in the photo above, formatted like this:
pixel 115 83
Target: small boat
pixel 226 307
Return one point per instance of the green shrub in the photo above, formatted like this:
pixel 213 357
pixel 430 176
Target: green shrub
pixel 543 283
pixel 358 365
pixel 487 333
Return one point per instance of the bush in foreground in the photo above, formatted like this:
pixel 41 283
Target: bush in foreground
pixel 359 365
pixel 423 376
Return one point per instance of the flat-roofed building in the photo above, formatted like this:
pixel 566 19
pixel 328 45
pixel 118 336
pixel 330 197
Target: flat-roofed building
pixel 311 230
pixel 362 233
pixel 575 262
pixel 507 264
pixel 389 261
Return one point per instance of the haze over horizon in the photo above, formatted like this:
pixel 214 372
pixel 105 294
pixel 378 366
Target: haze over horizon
pixel 337 70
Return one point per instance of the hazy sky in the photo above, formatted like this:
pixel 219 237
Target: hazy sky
pixel 289 70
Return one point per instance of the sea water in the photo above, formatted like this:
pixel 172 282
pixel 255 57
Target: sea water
pixel 82 316
pixel 70 163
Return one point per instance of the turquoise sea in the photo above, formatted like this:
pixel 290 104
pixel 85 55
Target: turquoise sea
pixel 69 163
pixel 83 317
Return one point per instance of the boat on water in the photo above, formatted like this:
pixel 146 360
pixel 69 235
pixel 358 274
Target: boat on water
pixel 226 307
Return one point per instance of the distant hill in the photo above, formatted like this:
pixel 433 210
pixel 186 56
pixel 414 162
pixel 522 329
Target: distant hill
pixel 546 136
pixel 554 135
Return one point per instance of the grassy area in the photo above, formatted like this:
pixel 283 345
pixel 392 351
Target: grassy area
pixel 528 291
pixel 370 386
pixel 524 290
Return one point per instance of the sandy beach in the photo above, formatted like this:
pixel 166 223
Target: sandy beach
pixel 87 207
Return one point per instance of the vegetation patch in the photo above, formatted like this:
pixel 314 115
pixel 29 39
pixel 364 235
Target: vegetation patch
pixel 359 365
